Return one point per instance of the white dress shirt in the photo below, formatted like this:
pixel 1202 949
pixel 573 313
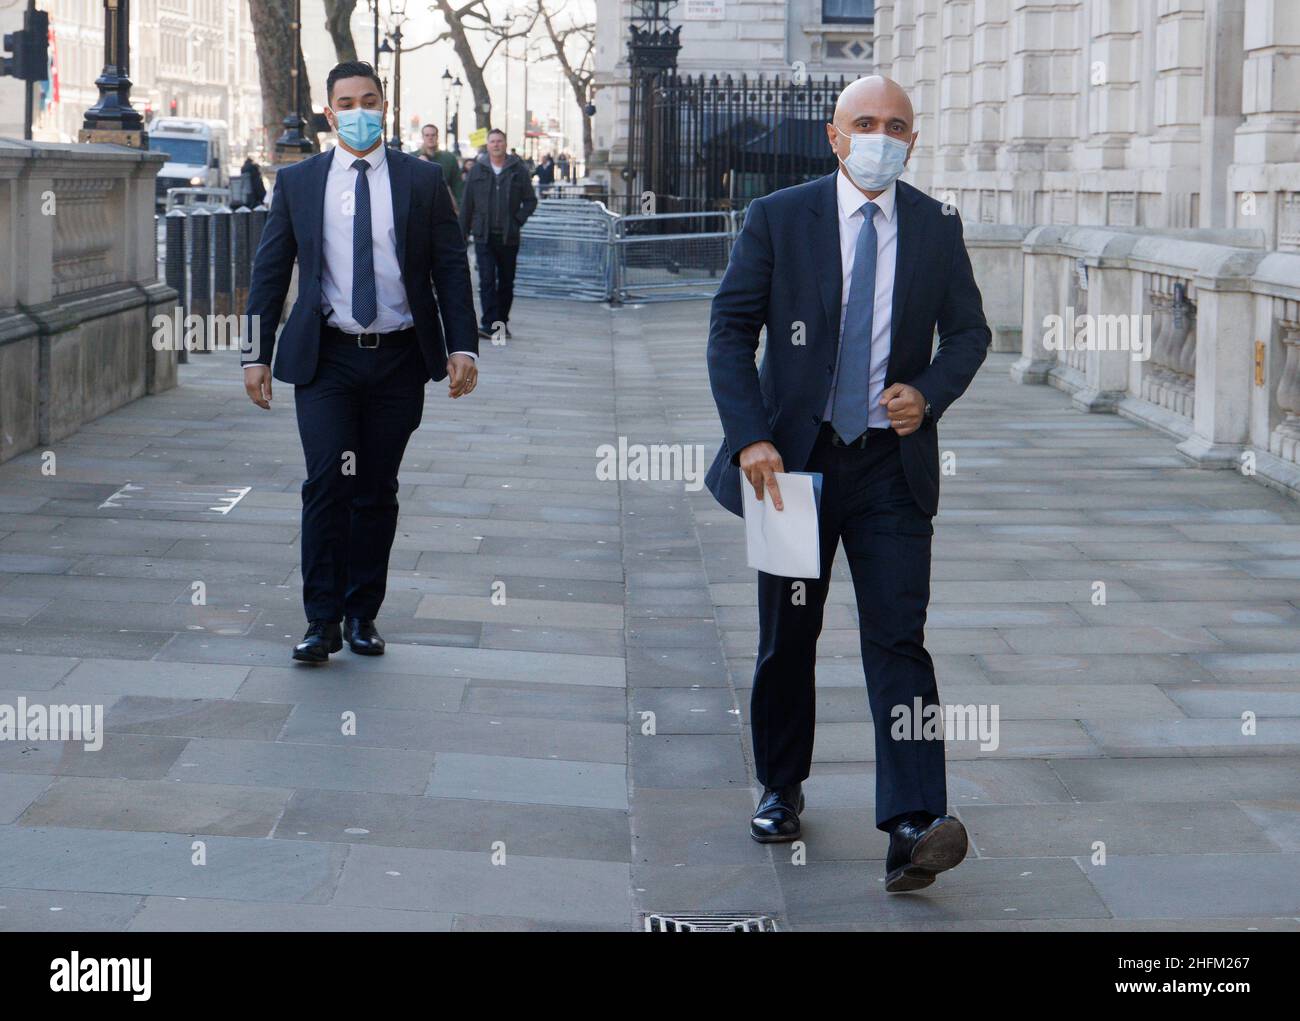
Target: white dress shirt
pixel 394 313
pixel 849 201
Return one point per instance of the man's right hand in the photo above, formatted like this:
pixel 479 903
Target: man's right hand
pixel 257 384
pixel 759 462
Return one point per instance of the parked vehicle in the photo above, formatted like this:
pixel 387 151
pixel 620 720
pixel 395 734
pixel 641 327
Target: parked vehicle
pixel 198 154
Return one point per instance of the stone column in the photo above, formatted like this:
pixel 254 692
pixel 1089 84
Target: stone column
pixel 956 19
pixel 1224 371
pixel 1041 106
pixel 1224 42
pixel 988 90
pixel 1043 297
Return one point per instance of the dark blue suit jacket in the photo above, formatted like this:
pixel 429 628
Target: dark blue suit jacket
pixel 785 270
pixel 430 251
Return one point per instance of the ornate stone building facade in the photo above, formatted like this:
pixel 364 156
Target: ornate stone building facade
pixel 199 53
pixel 1127 113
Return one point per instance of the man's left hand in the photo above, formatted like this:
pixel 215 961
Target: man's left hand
pixel 906 406
pixel 462 375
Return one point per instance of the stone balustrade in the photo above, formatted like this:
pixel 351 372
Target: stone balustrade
pixel 1194 332
pixel 78 288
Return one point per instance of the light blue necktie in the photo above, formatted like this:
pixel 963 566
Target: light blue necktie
pixel 365 302
pixel 850 411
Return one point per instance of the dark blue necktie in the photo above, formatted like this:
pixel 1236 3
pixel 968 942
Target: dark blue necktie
pixel 365 303
pixel 850 411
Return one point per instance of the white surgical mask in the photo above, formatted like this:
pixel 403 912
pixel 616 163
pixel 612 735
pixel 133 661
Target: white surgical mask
pixel 875 161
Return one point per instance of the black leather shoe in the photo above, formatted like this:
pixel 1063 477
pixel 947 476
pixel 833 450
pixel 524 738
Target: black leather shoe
pixel 777 818
pixel 919 850
pixel 322 638
pixel 362 637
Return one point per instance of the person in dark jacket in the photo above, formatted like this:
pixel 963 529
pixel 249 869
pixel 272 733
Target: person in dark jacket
pixel 254 189
pixel 498 198
pixel 545 173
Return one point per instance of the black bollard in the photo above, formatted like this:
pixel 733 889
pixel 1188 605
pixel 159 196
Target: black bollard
pixel 174 268
pixel 223 286
pixel 201 272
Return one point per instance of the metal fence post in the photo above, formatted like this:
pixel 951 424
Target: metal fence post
pixel 243 262
pixel 222 283
pixel 174 268
pixel 201 272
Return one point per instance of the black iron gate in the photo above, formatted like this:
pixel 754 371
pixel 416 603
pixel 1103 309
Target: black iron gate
pixel 715 144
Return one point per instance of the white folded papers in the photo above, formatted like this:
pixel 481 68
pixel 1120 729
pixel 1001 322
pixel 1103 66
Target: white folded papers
pixel 783 542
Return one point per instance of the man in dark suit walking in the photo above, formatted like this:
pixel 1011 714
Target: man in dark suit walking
pixel 851 275
pixel 375 237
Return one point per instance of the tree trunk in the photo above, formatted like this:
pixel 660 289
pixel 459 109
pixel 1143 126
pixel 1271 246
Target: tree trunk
pixel 275 56
pixel 469 66
pixel 338 19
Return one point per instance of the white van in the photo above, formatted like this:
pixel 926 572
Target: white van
pixel 198 154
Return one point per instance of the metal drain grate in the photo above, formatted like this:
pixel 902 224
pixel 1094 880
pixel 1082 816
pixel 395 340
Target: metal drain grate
pixel 175 496
pixel 716 922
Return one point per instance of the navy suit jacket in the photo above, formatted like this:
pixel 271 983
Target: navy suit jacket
pixel 785 270
pixel 430 251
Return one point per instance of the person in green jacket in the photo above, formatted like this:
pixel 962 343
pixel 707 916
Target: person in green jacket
pixel 445 159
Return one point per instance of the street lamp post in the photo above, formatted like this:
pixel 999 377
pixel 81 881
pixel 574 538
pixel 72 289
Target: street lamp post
pixel 456 87
pixel 398 8
pixel 652 57
pixel 112 118
pixel 293 145
pixel 374 11
pixel 446 105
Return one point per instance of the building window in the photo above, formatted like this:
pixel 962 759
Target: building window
pixel 849 11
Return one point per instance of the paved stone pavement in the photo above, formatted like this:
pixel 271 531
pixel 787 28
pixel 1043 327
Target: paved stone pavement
pixel 499 776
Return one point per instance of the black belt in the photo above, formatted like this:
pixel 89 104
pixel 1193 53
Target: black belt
pixel 370 341
pixel 870 436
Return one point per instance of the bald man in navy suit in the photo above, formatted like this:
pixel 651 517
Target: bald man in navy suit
pixel 863 269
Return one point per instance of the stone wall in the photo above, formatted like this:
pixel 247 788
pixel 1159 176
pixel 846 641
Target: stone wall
pixel 78 288
pixel 1122 113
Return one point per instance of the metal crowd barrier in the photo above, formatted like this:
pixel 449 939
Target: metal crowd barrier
pixel 566 251
pixel 576 248
pixel 671 255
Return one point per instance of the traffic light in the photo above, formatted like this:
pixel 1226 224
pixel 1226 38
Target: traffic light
pixel 29 48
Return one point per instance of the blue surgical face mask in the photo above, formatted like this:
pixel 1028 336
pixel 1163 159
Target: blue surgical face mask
pixel 359 128
pixel 875 161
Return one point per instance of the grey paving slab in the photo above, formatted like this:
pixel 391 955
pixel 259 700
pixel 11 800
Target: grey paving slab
pixel 133 756
pixel 1179 778
pixel 106 861
pixel 189 717
pixel 1008 889
pixel 1280 820
pixel 578 741
pixel 1205 885
pixel 17 791
pixel 1123 828
pixel 546 701
pixel 1123 737
pixel 456 824
pixel 162 806
pixel 65 911
pixel 733 889
pixel 284 764
pixel 27 672
pixel 350 684
pixel 529 781
pixel 568 890
pixel 190 914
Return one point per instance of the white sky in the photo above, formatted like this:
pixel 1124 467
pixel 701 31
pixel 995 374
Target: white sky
pixel 422 92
